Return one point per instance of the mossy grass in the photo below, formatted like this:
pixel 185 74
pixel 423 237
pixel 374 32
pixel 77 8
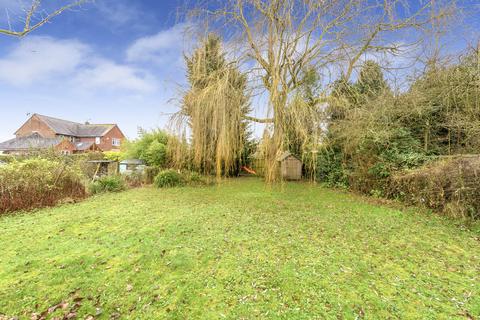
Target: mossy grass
pixel 238 250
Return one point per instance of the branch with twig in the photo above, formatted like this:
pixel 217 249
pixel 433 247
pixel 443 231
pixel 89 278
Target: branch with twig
pixel 31 14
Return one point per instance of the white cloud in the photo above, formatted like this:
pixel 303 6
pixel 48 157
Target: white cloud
pixel 161 48
pixel 38 58
pixel 109 75
pixel 43 60
pixel 117 12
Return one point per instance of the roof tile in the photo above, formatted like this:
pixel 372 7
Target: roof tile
pixel 70 128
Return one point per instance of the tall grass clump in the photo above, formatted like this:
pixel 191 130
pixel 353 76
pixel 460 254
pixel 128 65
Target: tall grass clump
pixel 169 179
pixel 36 183
pixel 107 184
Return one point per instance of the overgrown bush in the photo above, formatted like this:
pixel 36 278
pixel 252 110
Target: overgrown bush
pixel 331 170
pixel 193 178
pixel 156 154
pixel 107 184
pixel 168 179
pixel 451 186
pixel 5 158
pixel 172 178
pixel 82 159
pixel 150 174
pixel 35 183
pixel 151 147
pixel 115 155
pixel 135 179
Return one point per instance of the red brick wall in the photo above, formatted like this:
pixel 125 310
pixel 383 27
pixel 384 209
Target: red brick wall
pixel 106 141
pixel 34 124
pixel 65 147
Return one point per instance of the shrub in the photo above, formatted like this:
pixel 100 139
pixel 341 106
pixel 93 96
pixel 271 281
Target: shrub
pixel 5 158
pixel 134 179
pixel 150 174
pixel 115 155
pixel 36 183
pixel 151 147
pixel 156 154
pixel 107 184
pixel 330 169
pixel 169 178
pixel 195 179
pixel 451 186
pixel 82 159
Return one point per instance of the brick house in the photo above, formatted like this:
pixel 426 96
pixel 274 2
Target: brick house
pixel 67 137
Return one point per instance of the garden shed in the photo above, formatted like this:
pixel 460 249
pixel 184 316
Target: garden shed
pixel 290 166
pixel 130 166
pixel 104 167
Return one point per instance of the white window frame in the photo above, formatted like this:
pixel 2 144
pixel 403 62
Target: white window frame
pixel 116 142
pixel 98 140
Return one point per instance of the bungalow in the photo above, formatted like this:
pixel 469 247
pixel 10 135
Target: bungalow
pixel 67 137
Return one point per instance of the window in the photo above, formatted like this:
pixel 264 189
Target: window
pixel 97 140
pixel 116 142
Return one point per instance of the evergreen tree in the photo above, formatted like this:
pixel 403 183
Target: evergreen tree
pixel 370 82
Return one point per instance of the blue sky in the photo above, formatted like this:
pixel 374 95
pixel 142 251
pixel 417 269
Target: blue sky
pixel 109 61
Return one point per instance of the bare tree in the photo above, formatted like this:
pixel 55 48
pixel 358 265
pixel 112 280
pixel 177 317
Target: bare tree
pixel 34 16
pixel 283 38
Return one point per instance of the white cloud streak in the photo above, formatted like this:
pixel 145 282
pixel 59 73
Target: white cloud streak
pixel 106 74
pixel 44 59
pixel 118 12
pixel 39 58
pixel 161 48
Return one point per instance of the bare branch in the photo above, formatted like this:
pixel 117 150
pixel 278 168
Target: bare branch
pixel 258 120
pixel 285 38
pixel 32 12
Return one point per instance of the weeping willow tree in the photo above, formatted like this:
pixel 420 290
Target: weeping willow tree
pixel 213 110
pixel 281 38
pixel 305 118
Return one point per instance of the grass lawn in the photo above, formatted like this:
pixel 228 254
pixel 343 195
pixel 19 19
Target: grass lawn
pixel 237 251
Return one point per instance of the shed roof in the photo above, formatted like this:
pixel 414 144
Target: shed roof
pixel 285 155
pixel 133 161
pixel 82 146
pixel 101 161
